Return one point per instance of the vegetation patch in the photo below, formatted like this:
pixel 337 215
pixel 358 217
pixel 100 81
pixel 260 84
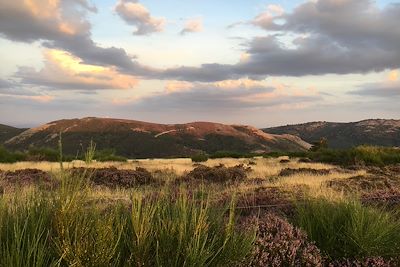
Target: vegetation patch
pixel 65 229
pixel 367 262
pixel 219 174
pixel 27 177
pixel 279 243
pixel 290 172
pixel 199 158
pixel 361 155
pixel 261 200
pixel 365 183
pixel 386 198
pixel 347 229
pixel 113 177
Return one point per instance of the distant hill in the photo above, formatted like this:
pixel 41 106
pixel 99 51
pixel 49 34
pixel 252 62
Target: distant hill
pixel 138 139
pixel 7 132
pixel 343 135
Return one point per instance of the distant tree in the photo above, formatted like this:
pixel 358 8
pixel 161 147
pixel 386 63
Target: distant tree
pixel 321 144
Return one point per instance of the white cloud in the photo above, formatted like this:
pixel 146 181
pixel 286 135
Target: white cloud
pixel 193 25
pixel 136 14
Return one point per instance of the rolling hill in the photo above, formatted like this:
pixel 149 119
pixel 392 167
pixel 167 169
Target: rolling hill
pixel 344 135
pixel 136 139
pixel 7 132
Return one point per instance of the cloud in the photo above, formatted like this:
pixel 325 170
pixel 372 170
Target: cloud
pixel 64 71
pixel 31 20
pixel 12 90
pixel 266 18
pixel 62 25
pixel 316 38
pixel 234 95
pixel 134 13
pixel 192 25
pixel 5 84
pixel 387 89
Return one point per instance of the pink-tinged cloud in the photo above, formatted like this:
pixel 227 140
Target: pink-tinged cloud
pixel 192 25
pixel 136 14
pixel 244 94
pixel 65 72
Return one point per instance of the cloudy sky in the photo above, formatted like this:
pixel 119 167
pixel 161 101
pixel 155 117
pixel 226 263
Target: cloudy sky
pixel 258 62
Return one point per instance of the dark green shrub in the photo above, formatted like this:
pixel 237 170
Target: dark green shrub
pixel 108 155
pixel 231 154
pixel 199 158
pixel 10 157
pixel 42 154
pixel 364 155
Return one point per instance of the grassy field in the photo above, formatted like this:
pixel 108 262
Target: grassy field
pixel 172 212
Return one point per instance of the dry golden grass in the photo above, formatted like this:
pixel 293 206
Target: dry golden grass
pixel 266 169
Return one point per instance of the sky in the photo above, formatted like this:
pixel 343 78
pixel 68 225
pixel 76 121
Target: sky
pixel 257 62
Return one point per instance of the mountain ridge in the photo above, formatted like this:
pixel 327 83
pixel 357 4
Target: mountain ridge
pixel 138 139
pixel 380 132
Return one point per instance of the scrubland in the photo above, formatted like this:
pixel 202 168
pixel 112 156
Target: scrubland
pixel 222 212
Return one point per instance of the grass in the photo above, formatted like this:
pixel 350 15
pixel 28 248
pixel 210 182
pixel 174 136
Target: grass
pixel 346 229
pixel 80 225
pixel 65 228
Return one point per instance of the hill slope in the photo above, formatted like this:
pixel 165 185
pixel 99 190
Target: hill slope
pixel 7 132
pixel 343 135
pixel 144 140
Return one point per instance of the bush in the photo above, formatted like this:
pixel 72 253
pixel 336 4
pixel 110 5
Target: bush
pixel 231 154
pixel 347 229
pixel 10 157
pixel 219 173
pixel 278 243
pixel 199 158
pixel 42 154
pixel 364 155
pixel 108 155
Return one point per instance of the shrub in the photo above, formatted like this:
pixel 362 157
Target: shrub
pixel 108 155
pixel 347 229
pixel 42 154
pixel 278 243
pixel 10 157
pixel 113 177
pixel 231 154
pixel 364 155
pixel 199 158
pixel 219 173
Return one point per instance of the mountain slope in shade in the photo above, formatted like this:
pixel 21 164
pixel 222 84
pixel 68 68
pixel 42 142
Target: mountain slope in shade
pixel 144 140
pixel 7 132
pixel 343 135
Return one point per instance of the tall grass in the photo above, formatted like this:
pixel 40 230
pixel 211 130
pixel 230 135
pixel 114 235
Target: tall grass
pixel 67 228
pixel 183 232
pixel 25 232
pixel 346 229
